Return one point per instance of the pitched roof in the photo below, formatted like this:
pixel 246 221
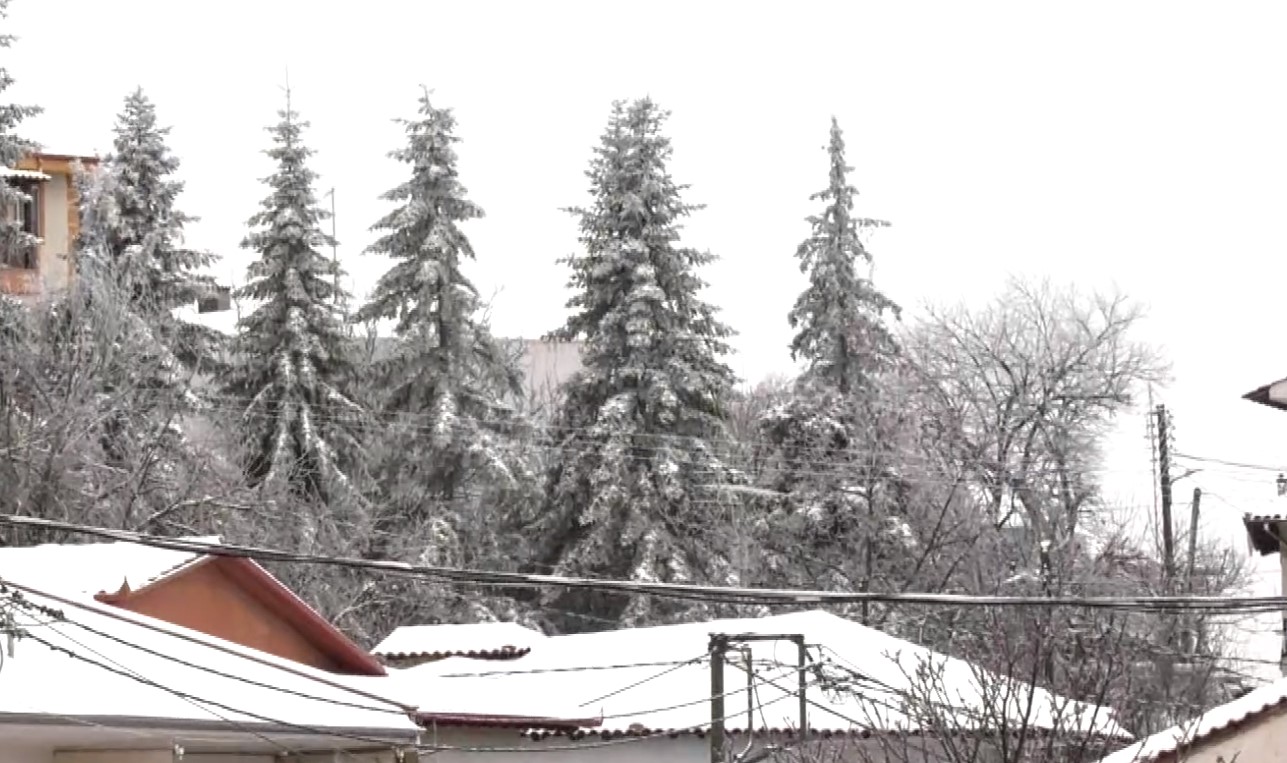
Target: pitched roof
pixel 480 641
pixel 114 668
pixel 86 569
pixel 657 681
pixel 1250 707
pixel 112 572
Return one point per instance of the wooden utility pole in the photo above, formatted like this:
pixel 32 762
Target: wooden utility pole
pixel 1164 483
pixel 1193 535
pixel 1191 630
pixel 718 646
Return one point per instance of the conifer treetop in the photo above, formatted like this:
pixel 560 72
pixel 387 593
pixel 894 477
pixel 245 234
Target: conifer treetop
pixel 146 235
pixel 286 231
pixel 292 357
pixel 629 491
pixel 839 317
pixel 635 289
pixel 422 234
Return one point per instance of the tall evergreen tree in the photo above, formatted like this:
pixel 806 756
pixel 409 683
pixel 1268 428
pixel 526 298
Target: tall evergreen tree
pixel 16 246
pixel 145 239
pixel 291 358
pixel 827 449
pixel 449 457
pixel 629 493
pixel 146 193
pixel 839 318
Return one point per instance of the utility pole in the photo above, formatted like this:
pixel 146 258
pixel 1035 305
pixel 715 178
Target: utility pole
pixel 1191 631
pixel 1167 637
pixel 1193 534
pixel 719 646
pixel 1164 482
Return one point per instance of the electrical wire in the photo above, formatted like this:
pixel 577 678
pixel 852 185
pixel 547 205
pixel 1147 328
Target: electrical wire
pixel 649 679
pixel 224 674
pixel 200 702
pixel 706 593
pixel 121 670
pixel 803 465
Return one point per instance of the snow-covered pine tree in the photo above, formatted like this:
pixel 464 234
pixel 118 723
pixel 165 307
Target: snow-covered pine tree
pixel 146 235
pixel 17 247
pixel 826 444
pixel 839 318
pixel 291 361
pixel 448 459
pixel 633 488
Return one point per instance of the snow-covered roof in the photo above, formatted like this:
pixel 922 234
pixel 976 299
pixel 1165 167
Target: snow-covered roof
pixel 116 668
pixel 476 640
pixel 657 680
pixel 9 172
pixel 86 569
pixel 1193 732
pixel 223 321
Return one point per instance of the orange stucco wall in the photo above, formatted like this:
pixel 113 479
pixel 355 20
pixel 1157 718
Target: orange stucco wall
pixel 205 599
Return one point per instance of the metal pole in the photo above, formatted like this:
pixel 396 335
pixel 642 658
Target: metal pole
pixel 718 645
pixel 802 661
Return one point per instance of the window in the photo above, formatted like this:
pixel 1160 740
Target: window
pixel 25 212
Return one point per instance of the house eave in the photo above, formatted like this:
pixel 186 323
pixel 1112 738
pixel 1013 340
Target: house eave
pixel 1272 395
pixel 191 725
pixel 1264 533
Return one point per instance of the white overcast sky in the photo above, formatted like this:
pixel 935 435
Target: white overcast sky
pixel 1140 144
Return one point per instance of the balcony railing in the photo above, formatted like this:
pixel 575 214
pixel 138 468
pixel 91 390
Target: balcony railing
pixel 20 282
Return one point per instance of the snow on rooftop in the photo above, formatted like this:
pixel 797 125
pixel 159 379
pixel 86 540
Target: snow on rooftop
pixel 465 640
pixel 1191 732
pixel 85 569
pixel 223 321
pixel 141 671
pixel 657 679
pixel 10 172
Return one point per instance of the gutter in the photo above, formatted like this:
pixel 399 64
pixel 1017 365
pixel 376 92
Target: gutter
pixel 431 719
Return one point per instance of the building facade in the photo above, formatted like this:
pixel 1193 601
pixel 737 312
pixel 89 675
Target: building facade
pixel 50 213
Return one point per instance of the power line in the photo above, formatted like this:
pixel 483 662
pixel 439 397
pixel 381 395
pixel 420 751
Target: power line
pixel 222 673
pixel 340 413
pixel 1234 464
pixel 707 593
pixel 200 702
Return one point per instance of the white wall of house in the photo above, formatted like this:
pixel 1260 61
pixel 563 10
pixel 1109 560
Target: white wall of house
pixel 53 263
pixel 1262 741
pixel 12 753
pixel 546 365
